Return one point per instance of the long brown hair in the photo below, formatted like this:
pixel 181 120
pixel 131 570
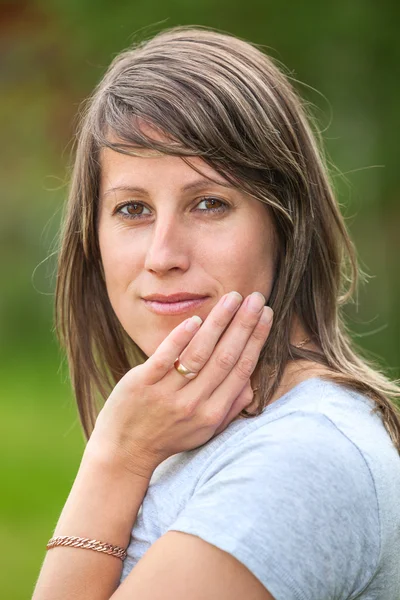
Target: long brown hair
pixel 220 98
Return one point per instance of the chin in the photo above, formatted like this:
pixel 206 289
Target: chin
pixel 148 347
pixel 153 335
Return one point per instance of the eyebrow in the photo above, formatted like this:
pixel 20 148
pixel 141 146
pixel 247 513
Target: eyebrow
pixel 194 185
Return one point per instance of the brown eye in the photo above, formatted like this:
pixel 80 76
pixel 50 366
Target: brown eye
pixel 131 210
pixel 213 205
pixel 134 210
pixel 211 202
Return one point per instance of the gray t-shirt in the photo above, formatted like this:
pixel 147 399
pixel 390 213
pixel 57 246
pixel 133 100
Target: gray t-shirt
pixel 306 496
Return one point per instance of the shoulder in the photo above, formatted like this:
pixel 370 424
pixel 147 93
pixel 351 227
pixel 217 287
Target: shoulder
pixel 318 424
pixel 286 497
pixel 293 442
pixel 293 487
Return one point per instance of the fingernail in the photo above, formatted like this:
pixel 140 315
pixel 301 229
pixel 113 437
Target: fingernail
pixel 267 315
pixel 232 300
pixel 193 323
pixel 255 302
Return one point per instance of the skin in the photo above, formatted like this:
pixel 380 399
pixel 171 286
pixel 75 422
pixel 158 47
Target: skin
pixel 177 244
pixel 153 412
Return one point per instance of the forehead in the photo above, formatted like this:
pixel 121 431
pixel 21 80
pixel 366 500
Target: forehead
pixel 148 163
pixel 116 167
pixel 153 171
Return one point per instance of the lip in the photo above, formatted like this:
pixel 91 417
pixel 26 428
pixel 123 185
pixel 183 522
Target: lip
pixel 177 297
pixel 174 308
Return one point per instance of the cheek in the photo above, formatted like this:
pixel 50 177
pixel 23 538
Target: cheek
pixel 251 245
pixel 252 258
pixel 120 261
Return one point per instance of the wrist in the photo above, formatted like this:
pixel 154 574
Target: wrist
pixel 103 486
pixel 107 455
pixel 101 508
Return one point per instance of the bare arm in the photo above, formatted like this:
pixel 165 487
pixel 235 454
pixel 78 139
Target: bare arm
pixel 152 413
pixel 103 505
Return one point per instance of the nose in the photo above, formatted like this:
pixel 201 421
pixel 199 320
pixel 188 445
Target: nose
pixel 168 248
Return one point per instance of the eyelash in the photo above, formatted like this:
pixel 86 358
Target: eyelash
pixel 221 209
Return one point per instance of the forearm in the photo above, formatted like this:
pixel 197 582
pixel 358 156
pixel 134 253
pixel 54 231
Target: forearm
pixel 102 505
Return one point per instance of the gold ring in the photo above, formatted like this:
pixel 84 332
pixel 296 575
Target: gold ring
pixel 183 370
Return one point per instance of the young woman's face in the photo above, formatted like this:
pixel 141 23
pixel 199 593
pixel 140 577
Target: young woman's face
pixel 174 231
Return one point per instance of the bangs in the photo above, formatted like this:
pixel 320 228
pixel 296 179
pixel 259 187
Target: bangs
pixel 205 101
pixel 157 119
pixel 200 98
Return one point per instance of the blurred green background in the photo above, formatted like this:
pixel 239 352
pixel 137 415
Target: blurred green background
pixel 53 53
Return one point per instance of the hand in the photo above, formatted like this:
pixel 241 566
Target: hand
pixel 154 411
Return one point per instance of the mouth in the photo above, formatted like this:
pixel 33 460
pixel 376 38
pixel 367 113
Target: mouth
pixel 174 308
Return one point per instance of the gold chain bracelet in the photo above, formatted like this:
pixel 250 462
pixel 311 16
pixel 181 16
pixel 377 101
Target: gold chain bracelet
pixel 78 542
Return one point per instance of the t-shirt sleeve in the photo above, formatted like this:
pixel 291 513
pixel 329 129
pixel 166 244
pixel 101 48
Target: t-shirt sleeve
pixel 295 502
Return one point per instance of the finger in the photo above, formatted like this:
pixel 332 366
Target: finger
pixel 230 348
pixel 162 361
pixel 220 401
pixel 198 351
pixel 244 399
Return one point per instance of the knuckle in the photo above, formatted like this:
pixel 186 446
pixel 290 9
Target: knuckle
pixel 245 367
pixel 213 417
pixel 198 357
pixel 160 363
pixel 246 325
pixel 188 409
pixel 226 361
pixel 260 332
pixel 219 321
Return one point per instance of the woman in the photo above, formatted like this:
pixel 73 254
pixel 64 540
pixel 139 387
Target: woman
pixel 265 458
